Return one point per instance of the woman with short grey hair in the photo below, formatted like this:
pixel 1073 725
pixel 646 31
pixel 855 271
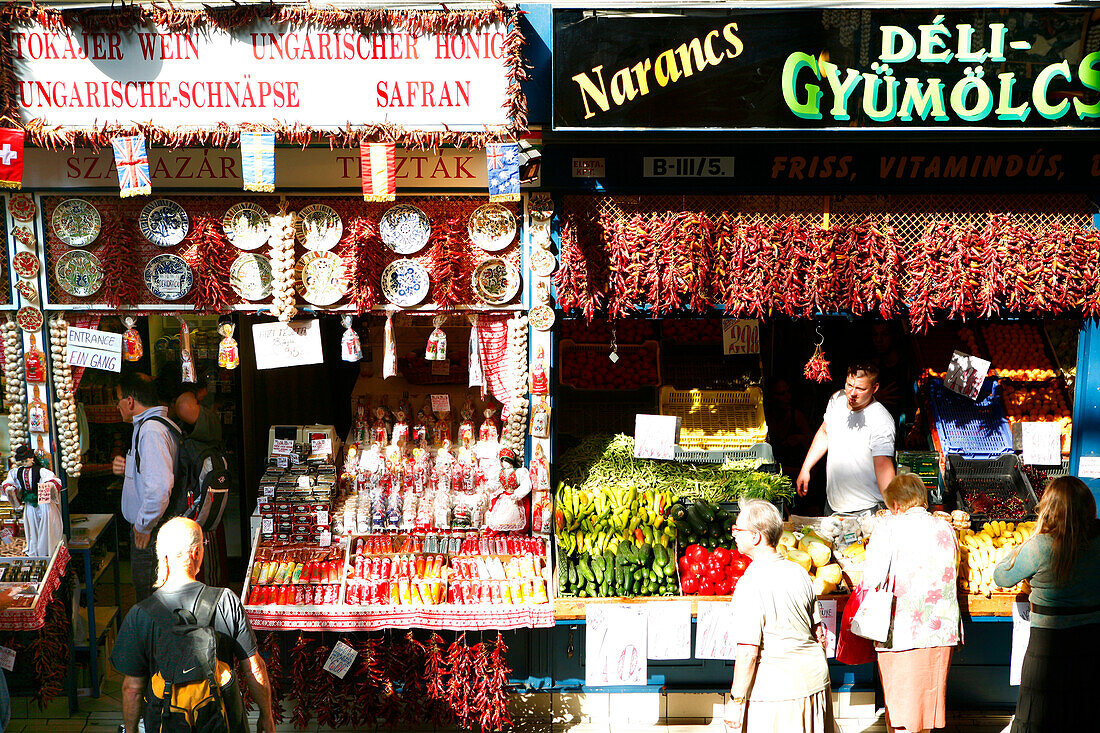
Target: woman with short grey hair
pixel 781 678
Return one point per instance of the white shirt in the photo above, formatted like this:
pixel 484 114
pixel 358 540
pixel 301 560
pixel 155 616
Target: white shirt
pixel 774 607
pixel 854 439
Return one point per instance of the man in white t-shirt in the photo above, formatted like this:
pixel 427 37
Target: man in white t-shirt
pixel 858 434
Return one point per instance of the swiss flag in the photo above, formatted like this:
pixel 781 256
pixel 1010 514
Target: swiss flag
pixel 11 157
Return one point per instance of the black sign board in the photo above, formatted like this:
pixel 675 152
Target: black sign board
pixel 730 69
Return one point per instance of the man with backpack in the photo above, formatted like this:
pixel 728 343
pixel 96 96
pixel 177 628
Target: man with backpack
pixel 149 469
pixel 177 648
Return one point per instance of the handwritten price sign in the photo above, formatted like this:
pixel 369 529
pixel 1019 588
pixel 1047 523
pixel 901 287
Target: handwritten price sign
pixel 740 336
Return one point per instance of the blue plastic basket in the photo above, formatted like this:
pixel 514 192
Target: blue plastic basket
pixel 972 429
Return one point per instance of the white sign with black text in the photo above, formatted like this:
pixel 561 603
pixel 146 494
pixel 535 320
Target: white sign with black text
pixel 87 347
pixel 281 344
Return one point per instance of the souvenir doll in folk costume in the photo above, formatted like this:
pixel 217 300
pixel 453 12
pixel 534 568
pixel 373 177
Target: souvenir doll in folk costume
pixel 505 511
pixel 41 521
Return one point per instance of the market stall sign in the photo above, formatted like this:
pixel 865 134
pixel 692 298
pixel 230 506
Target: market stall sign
pixel 318 168
pixel 309 76
pixel 281 344
pixel 966 374
pixel 810 69
pixel 656 436
pixel 1042 443
pixel 87 347
pixel 740 336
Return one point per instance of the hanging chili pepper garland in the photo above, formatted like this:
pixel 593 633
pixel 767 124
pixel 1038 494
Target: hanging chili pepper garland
pixel 450 263
pixel 817 368
pixel 210 256
pixel 301 671
pixel 119 257
pixel 273 660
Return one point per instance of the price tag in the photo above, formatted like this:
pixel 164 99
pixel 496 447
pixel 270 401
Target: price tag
pixel 282 461
pixel 1042 443
pixel 322 516
pixel 441 368
pixel 1089 467
pixel 321 446
pixel 294 460
pixel 340 660
pixel 7 658
pixel 325 538
pixel 263 499
pixel 7 536
pixel 966 374
pixel 45 492
pixel 269 490
pixel 267 525
pixel 282 447
pixel 656 436
pixel 441 403
pixel 740 336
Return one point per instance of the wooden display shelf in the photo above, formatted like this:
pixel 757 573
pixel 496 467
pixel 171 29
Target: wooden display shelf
pixel 572 609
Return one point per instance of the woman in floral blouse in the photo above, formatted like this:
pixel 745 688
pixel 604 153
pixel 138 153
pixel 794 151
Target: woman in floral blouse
pixel 920 553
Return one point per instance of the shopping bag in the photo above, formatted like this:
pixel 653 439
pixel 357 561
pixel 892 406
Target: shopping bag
pixel 875 614
pixel 852 649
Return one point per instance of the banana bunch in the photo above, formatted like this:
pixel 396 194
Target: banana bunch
pixel 594 521
pixel 981 551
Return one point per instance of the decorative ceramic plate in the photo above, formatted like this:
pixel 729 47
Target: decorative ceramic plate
pixel 79 273
pixel 322 279
pixel 496 281
pixel 246 225
pixel 250 276
pixel 75 222
pixel 405 229
pixel 29 318
pixel 492 227
pixel 25 264
pixel 318 227
pixel 405 283
pixel 21 206
pixel 163 222
pixel 543 263
pixel 541 317
pixel 168 277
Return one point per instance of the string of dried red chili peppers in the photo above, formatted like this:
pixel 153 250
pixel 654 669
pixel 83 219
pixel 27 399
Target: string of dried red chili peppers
pixel 817 368
pixel 450 263
pixel 118 255
pixel 210 255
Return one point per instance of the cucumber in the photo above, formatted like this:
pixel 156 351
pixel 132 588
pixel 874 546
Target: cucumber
pixel 706 509
pixel 563 573
pixel 572 575
pixel 584 571
pixel 695 520
pixel 597 567
pixel 660 555
pixel 645 554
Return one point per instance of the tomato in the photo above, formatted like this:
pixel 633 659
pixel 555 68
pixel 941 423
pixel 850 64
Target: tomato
pixel 689 585
pixel 732 573
pixel 741 561
pixel 713 563
pixel 716 575
pixel 685 565
pixel 697 568
pixel 696 552
pixel 725 587
pixel 722 555
pixel 706 588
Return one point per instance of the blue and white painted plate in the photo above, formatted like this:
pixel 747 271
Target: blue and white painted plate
pixel 168 277
pixel 163 222
pixel 405 229
pixel 75 222
pixel 405 283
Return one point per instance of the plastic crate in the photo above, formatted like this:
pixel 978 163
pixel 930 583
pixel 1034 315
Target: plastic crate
pixel 973 429
pixel 761 452
pixel 703 366
pixel 717 420
pixel 569 349
pixel 975 482
pixel 598 418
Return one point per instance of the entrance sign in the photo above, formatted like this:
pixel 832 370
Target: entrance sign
pixel 88 347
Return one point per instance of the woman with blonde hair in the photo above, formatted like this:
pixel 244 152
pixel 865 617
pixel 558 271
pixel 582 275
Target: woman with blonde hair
pixel 918 553
pixel 1062 563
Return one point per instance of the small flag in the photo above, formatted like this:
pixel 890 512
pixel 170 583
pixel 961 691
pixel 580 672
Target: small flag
pixel 132 162
pixel 258 161
pixel 379 171
pixel 502 166
pixel 11 157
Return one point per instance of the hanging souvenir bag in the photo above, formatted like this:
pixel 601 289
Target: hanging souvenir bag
pixel 132 350
pixel 436 350
pixel 350 347
pixel 228 353
pixel 389 360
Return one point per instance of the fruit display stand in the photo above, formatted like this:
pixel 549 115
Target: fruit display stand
pixel 990 489
pixel 340 615
pixel 590 366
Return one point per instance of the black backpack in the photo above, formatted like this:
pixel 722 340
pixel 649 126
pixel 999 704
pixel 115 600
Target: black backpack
pixel 191 690
pixel 201 487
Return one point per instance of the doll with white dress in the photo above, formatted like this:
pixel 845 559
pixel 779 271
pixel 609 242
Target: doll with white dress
pixel 41 520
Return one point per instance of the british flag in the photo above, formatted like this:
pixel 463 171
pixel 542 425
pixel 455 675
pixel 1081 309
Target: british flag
pixel 132 162
pixel 502 169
